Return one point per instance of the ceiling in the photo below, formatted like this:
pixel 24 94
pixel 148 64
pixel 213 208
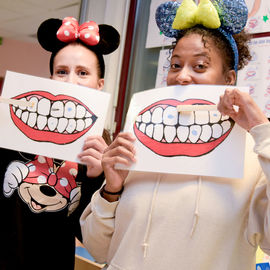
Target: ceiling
pixel 19 19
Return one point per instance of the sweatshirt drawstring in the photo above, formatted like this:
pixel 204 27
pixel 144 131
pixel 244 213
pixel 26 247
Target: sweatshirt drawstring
pixel 196 212
pixel 145 243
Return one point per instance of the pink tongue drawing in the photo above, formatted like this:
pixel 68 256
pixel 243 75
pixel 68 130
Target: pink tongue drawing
pixel 36 206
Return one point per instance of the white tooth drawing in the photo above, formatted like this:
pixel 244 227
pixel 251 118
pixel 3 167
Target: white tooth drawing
pixel 157 115
pixel 80 111
pixel 62 124
pixel 146 117
pixel 44 106
pixel 88 122
pixel 41 122
pixel 214 116
pixel 139 118
pixel 194 133
pixel 206 133
pixel 224 117
pixel 149 130
pixel 52 123
pixel 186 119
pixel 24 116
pixel 158 132
pixel 71 126
pixel 217 131
pixel 201 117
pixel 18 113
pixel 69 111
pixel 57 109
pixel 226 125
pixel 88 115
pixel 22 107
pixel 33 100
pixel 182 133
pixel 32 120
pixel 169 133
pixel 170 116
pixel 80 125
pixel 142 127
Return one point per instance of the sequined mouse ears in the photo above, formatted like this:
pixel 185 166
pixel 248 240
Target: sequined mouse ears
pixel 229 15
pixel 54 34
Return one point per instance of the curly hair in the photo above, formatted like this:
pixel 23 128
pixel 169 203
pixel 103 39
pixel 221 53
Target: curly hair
pixel 222 44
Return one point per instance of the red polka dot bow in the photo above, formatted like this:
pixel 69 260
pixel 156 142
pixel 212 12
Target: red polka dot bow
pixel 70 30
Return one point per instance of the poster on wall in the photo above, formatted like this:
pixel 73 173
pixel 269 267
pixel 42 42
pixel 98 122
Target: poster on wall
pixel 57 121
pixel 163 68
pixel 256 75
pixel 155 38
pixel 198 140
pixel 258 16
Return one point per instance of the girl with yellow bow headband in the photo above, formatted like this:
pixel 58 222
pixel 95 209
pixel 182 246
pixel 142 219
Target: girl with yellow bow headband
pixel 153 221
pixel 229 17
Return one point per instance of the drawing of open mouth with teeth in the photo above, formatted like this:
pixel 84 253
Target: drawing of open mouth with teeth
pixel 58 119
pixel 166 132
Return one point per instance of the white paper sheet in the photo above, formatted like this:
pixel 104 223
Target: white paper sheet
pixel 196 143
pixel 64 115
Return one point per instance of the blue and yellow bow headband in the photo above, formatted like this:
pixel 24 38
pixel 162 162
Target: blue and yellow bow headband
pixel 229 17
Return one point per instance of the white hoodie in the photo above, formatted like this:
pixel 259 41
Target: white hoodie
pixel 165 221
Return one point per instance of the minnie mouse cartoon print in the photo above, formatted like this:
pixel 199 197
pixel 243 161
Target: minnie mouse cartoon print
pixel 44 184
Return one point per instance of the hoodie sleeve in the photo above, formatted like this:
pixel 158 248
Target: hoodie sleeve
pixel 97 226
pixel 258 231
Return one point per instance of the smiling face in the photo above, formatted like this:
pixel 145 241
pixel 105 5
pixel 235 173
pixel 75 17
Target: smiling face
pixel 77 64
pixel 196 62
pixel 34 195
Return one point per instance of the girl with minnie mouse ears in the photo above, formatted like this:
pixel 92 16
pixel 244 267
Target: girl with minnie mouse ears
pixel 54 34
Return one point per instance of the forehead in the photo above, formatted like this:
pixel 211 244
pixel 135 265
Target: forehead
pixel 76 52
pixel 195 44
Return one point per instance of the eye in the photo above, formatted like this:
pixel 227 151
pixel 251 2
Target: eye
pixel 61 72
pixel 175 66
pixel 201 67
pixel 83 73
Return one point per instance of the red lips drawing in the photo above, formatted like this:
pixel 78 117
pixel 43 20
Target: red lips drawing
pixel 166 132
pixel 58 119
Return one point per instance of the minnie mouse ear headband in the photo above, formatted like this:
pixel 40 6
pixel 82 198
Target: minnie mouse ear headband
pixel 229 17
pixel 54 34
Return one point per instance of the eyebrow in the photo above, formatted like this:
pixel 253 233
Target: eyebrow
pixel 61 66
pixel 204 54
pixel 82 67
pixel 66 66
